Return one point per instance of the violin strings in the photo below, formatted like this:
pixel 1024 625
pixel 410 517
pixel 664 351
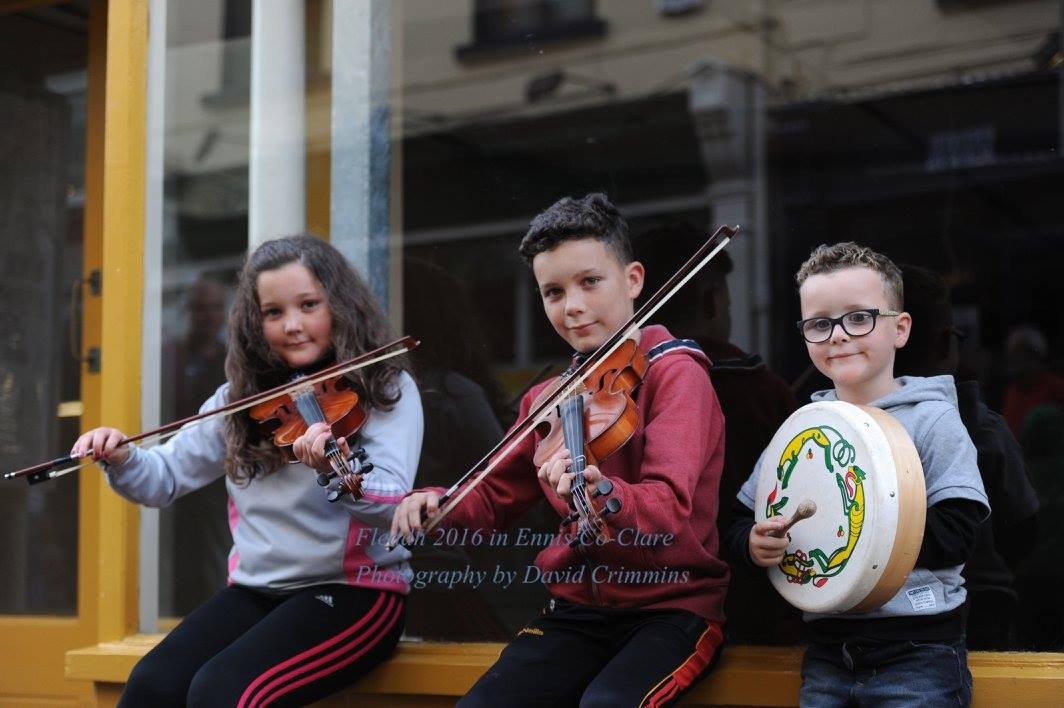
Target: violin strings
pixel 339 463
pixel 571 412
pixel 310 409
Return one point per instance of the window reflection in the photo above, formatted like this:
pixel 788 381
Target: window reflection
pixel 205 236
pixel 850 131
pixel 196 531
pixel 805 122
pixel 1033 405
pixel 43 87
pixel 755 401
pixel 462 404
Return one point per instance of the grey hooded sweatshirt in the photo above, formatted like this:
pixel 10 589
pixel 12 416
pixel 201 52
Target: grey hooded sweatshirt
pixel 286 534
pixel 927 409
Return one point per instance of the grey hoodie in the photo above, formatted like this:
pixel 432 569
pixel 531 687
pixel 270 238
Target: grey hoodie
pixel 927 409
pixel 286 535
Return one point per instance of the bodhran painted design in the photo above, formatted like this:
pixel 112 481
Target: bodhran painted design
pixel 862 470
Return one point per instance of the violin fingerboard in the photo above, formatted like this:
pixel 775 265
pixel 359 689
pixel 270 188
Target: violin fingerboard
pixel 308 407
pixel 571 412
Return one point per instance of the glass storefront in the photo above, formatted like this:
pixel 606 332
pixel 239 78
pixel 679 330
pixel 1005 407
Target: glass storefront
pixel 203 225
pixel 930 132
pixel 807 123
pixel 43 60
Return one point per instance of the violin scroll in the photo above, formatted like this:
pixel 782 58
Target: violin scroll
pixel 347 482
pixel 592 528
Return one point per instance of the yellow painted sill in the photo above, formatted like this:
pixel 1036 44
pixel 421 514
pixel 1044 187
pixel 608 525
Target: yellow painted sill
pixel 430 673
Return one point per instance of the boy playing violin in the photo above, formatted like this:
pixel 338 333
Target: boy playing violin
pixel 635 621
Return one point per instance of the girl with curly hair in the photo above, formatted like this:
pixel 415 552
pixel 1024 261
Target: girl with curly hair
pixel 315 598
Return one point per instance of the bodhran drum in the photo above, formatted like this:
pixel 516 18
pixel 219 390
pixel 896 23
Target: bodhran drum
pixel 861 469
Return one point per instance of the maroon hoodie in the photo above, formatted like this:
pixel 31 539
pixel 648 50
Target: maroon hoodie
pixel 665 548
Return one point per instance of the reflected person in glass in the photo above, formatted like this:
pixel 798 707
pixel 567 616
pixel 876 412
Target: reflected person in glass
pixel 755 401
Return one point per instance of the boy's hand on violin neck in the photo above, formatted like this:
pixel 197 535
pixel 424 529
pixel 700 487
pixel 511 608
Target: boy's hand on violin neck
pixel 555 473
pixel 411 515
pixel 309 448
pixel 766 547
pixel 101 444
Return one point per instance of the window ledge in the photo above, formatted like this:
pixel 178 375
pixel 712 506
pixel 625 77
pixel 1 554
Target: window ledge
pixel 768 676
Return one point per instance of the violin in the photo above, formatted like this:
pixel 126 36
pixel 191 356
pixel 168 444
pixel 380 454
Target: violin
pixel 60 466
pixel 545 406
pixel 285 418
pixel 593 422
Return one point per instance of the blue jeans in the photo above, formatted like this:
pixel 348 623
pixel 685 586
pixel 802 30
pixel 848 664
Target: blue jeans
pixel 886 674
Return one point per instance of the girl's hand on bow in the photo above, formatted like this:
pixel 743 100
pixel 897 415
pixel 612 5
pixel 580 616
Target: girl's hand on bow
pixel 309 448
pixel 101 444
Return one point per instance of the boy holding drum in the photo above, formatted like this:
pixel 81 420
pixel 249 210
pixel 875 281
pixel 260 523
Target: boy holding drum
pixel 911 649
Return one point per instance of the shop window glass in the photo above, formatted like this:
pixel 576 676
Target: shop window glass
pixel 204 240
pixel 43 61
pixel 814 123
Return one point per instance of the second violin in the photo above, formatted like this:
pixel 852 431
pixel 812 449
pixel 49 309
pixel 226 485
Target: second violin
pixel 593 422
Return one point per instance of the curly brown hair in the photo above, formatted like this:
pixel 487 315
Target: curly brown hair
pixel 839 256
pixel 358 326
pixel 591 216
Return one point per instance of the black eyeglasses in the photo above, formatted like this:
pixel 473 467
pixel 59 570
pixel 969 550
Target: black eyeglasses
pixel 856 324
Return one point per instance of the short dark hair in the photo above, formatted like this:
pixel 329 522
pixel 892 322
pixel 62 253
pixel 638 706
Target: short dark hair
pixel 592 216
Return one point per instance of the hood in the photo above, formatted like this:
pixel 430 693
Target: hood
pixel 657 342
pixel 914 389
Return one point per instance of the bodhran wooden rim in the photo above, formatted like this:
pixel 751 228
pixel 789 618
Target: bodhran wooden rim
pixel 855 553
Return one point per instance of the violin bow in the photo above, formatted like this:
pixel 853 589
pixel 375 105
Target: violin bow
pixel 46 471
pixel 452 497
